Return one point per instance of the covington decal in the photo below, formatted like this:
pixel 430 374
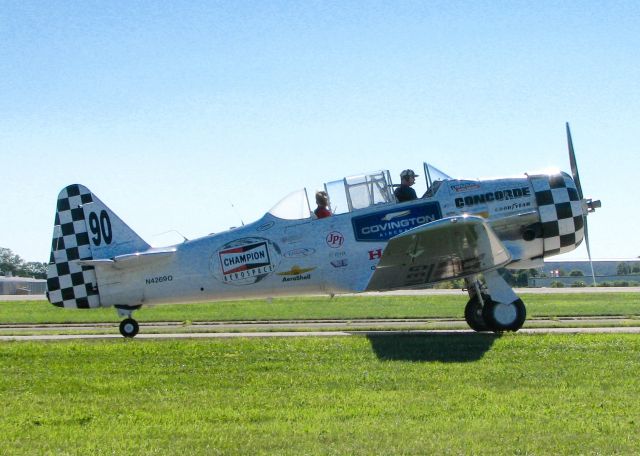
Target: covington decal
pixel 500 195
pixel 387 224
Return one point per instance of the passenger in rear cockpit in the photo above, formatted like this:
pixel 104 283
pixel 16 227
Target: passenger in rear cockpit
pixel 322 200
pixel 405 192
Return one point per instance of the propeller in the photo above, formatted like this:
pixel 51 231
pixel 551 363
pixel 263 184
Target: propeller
pixel 589 204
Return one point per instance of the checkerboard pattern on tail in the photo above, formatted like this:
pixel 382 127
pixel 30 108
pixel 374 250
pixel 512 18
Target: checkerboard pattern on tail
pixel 68 283
pixel 560 213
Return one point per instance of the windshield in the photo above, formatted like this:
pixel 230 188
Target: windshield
pixel 294 206
pixel 434 178
pixel 433 174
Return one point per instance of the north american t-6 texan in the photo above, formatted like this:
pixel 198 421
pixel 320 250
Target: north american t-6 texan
pixel 459 229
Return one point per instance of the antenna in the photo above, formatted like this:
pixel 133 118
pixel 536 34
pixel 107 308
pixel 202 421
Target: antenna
pixel 234 210
pixel 174 231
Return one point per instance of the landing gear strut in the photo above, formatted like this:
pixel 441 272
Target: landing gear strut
pixel 128 327
pixel 494 307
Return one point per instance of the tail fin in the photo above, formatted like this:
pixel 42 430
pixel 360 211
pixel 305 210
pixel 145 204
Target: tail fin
pixel 85 229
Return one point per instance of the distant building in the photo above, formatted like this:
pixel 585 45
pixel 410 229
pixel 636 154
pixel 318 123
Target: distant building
pixel 22 286
pixel 605 271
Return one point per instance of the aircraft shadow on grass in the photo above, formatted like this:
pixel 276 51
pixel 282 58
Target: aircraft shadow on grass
pixel 447 347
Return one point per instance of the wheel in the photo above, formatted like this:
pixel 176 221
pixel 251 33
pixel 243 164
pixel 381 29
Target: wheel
pixel 473 313
pixel 129 327
pixel 504 317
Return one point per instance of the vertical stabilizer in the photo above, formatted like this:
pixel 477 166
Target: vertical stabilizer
pixel 85 229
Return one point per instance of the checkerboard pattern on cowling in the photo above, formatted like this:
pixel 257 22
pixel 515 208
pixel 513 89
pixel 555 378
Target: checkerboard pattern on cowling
pixel 68 283
pixel 560 212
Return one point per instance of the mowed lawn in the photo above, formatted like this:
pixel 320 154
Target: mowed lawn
pixel 339 307
pixel 427 394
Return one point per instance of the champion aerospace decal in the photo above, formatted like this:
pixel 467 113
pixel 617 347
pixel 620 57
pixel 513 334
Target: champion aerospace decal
pixel 389 223
pixel 245 261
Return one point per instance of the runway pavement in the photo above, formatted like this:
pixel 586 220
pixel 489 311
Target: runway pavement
pixel 292 328
pixel 320 328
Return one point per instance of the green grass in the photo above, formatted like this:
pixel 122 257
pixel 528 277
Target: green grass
pixel 344 307
pixel 434 394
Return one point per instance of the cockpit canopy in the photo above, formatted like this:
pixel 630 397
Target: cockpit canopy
pixel 353 193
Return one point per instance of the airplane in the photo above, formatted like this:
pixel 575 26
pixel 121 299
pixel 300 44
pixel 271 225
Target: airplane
pixel 459 229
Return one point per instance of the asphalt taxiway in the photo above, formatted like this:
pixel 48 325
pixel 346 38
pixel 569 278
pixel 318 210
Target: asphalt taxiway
pixel 304 328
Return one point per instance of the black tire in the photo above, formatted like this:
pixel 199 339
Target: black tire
pixel 129 327
pixel 502 317
pixel 473 313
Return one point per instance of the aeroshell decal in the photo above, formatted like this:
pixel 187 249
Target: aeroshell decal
pixel 386 224
pixel 245 261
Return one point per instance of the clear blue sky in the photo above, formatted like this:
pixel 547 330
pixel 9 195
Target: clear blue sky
pixel 173 111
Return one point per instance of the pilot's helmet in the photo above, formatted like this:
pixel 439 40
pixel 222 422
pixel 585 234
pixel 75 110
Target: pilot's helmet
pixel 408 173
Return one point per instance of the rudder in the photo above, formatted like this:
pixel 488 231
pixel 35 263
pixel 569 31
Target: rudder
pixel 85 229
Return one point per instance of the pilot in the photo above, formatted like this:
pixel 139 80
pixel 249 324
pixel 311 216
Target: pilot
pixel 405 192
pixel 322 200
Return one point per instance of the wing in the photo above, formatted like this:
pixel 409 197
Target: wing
pixel 446 249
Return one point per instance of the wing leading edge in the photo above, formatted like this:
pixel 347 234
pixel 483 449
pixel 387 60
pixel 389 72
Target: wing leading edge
pixel 446 249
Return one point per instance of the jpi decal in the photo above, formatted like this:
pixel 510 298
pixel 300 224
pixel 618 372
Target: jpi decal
pixel 386 224
pixel 335 239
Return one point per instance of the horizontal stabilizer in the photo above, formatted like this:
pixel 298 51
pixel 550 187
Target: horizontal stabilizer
pixel 446 249
pixel 132 259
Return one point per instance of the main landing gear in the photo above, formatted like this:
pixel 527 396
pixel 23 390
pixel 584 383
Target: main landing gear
pixel 496 307
pixel 128 327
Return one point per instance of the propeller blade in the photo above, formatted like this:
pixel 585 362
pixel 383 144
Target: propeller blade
pixel 574 164
pixel 576 179
pixel 586 242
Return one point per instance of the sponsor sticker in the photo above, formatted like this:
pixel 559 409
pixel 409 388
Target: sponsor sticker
pixel 465 187
pixel 335 239
pixel 375 254
pixel 265 226
pixel 299 253
pixel 295 274
pixel 245 261
pixel 295 270
pixel 513 207
pixel 342 263
pixel 384 225
pixel 495 196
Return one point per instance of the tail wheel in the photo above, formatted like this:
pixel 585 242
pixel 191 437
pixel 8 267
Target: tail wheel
pixel 129 327
pixel 501 317
pixel 473 313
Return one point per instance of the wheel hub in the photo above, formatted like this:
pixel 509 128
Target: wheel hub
pixel 505 314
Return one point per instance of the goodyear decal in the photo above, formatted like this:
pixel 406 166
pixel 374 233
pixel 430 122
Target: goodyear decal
pixel 386 224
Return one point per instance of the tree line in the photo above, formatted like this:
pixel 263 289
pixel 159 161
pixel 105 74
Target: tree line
pixel 12 264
